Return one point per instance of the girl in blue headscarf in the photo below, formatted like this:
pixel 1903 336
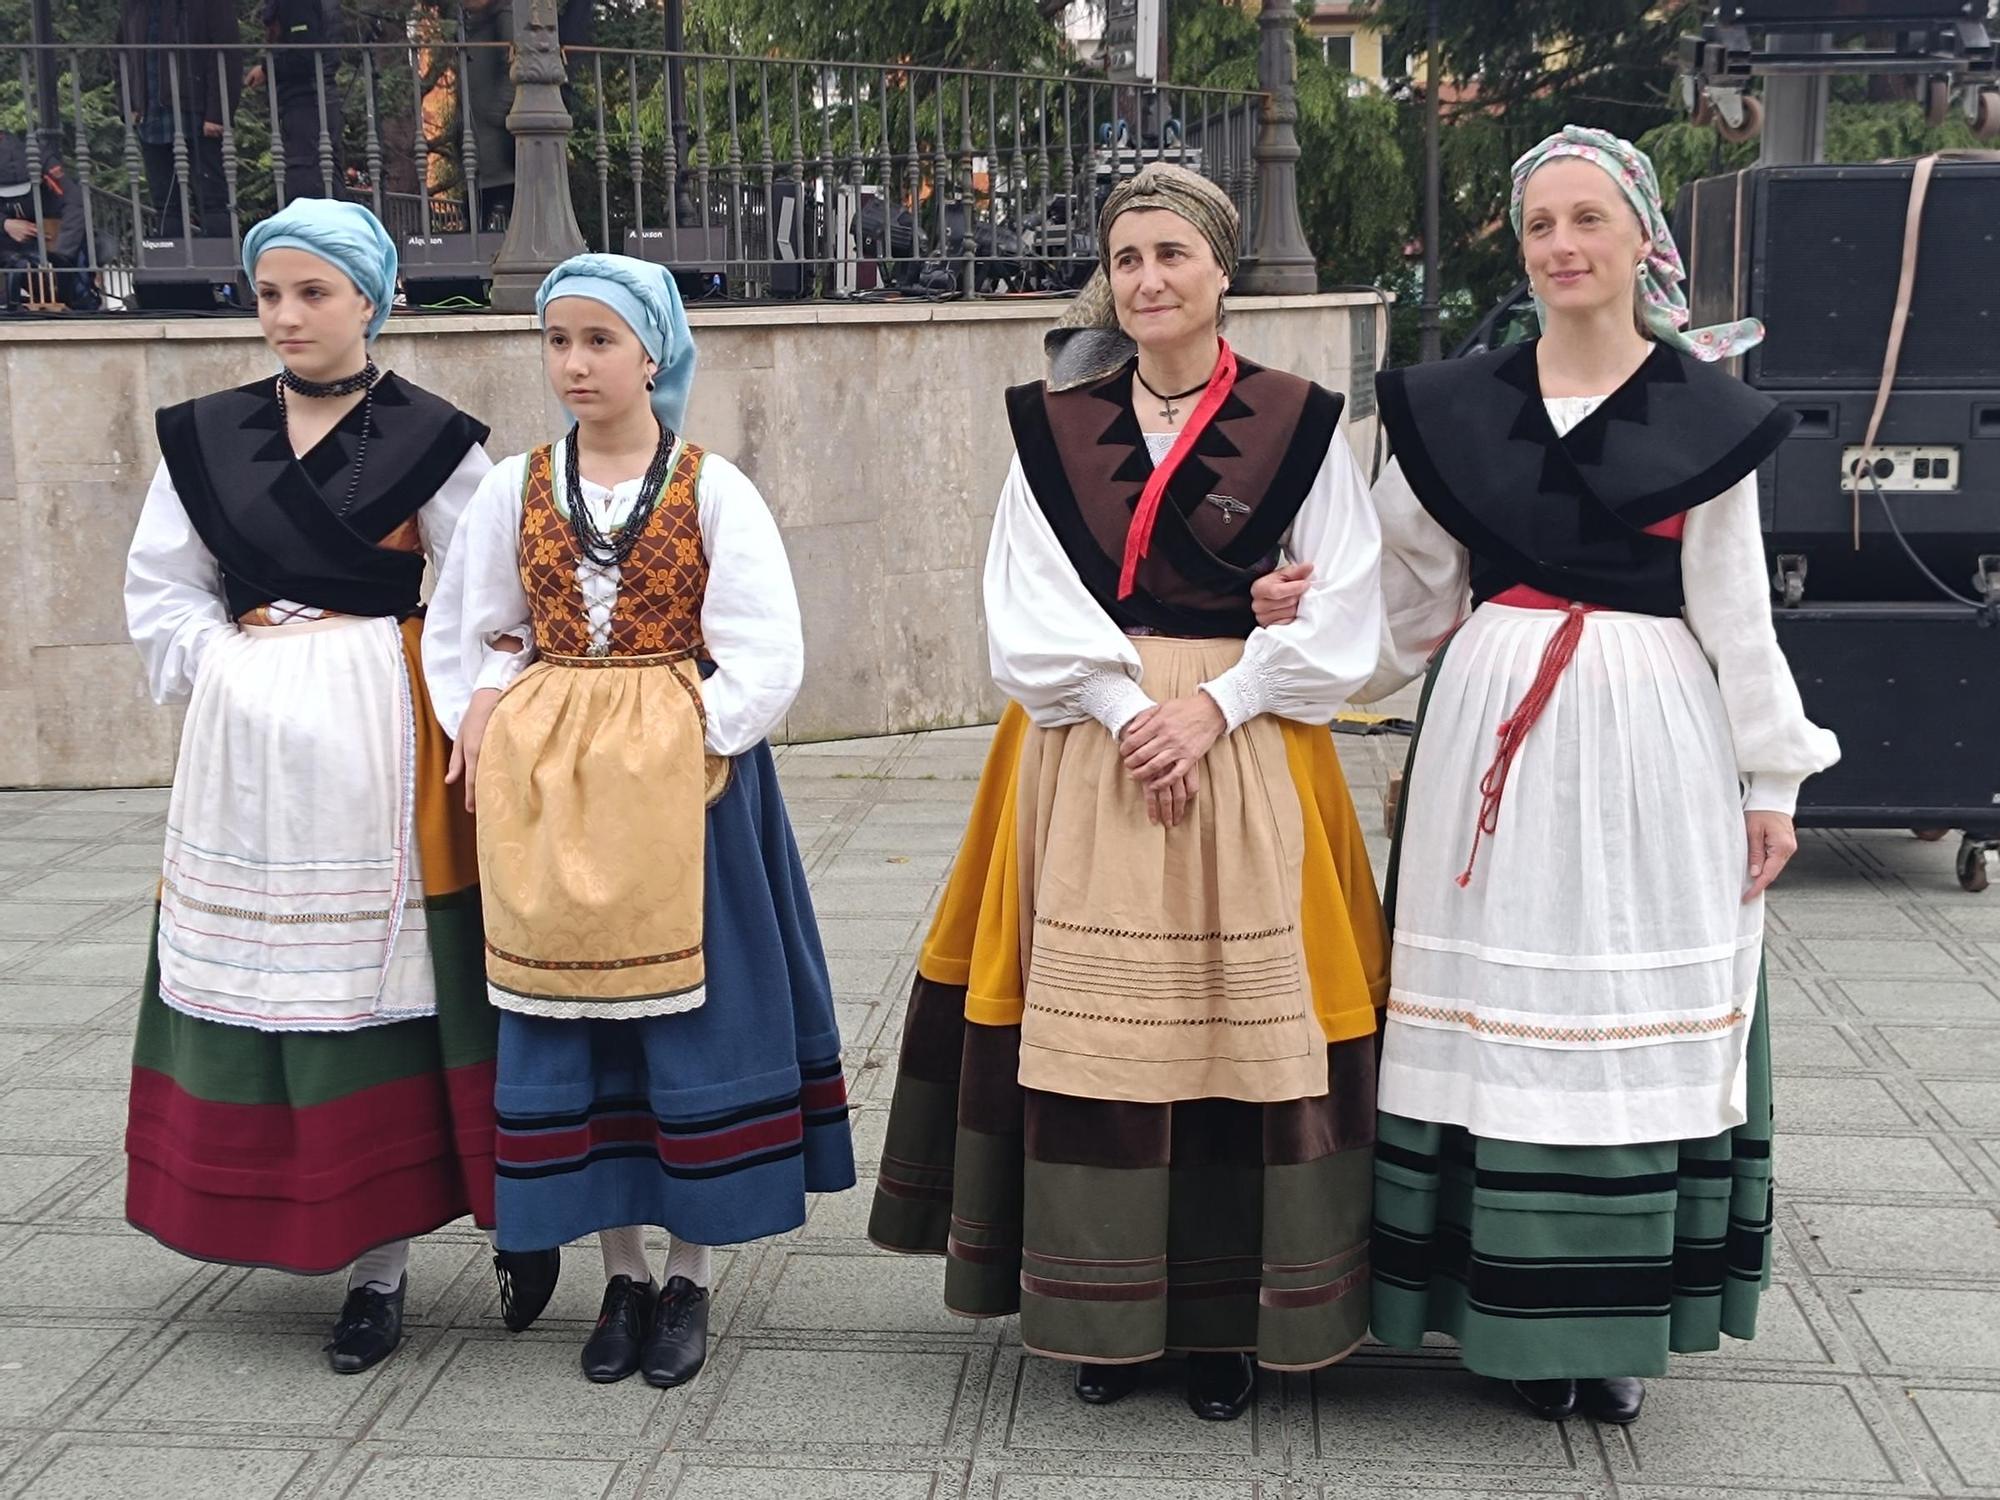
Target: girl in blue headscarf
pixel 314 1072
pixel 612 641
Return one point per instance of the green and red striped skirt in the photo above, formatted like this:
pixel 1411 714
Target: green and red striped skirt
pixel 300 1150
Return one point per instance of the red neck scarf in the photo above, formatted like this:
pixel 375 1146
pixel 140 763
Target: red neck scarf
pixel 1139 536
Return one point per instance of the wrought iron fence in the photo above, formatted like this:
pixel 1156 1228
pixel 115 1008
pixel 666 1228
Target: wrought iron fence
pixel 751 177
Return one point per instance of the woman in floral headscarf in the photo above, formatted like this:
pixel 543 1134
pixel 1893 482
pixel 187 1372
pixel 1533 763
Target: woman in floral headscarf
pixel 1573 1169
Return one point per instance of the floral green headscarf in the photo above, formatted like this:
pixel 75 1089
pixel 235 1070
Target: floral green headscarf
pixel 1663 304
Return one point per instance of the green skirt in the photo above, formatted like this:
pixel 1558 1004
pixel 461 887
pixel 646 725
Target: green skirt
pixel 1120 1231
pixel 1553 1262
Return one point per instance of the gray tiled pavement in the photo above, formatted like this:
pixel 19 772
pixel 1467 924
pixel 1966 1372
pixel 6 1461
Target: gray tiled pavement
pixel 125 1370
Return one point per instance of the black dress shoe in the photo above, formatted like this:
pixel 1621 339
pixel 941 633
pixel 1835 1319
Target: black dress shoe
pixel 612 1350
pixel 1219 1386
pixel 527 1280
pixel 369 1328
pixel 678 1346
pixel 1100 1385
pixel 1551 1400
pixel 1615 1400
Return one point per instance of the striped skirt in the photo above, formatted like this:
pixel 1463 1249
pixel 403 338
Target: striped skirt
pixel 1120 1230
pixel 1554 1262
pixel 714 1123
pixel 299 1150
pixel 1549 1262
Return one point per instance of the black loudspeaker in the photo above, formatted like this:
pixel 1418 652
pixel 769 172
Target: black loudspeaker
pixel 1908 688
pixel 1816 252
pixel 447 267
pixel 175 275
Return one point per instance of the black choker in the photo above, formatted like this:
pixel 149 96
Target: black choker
pixel 363 382
pixel 347 385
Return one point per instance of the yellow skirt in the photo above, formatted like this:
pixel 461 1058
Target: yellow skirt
pixel 975 939
pixel 592 801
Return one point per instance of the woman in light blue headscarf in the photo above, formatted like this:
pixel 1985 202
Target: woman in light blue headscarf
pixel 313 1082
pixel 611 643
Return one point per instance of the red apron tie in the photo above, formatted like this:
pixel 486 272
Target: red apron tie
pixel 1139 535
pixel 1556 657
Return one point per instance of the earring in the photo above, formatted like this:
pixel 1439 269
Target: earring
pixel 649 382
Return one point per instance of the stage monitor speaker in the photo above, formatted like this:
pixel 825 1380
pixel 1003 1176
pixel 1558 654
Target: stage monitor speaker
pixel 444 267
pixel 175 275
pixel 1816 253
pixel 696 256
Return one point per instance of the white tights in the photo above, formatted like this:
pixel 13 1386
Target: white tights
pixel 625 1255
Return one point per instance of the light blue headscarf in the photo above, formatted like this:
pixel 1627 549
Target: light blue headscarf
pixel 645 296
pixel 344 235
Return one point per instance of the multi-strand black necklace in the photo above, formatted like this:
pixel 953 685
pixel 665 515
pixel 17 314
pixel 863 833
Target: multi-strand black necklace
pixel 591 541
pixel 362 380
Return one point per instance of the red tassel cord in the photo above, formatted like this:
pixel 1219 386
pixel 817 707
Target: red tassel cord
pixel 1139 535
pixel 1513 730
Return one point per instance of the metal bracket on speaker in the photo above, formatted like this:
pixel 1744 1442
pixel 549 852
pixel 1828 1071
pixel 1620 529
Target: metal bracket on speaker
pixel 1986 578
pixel 1789 581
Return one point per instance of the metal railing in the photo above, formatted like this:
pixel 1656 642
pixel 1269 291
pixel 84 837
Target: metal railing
pixel 752 177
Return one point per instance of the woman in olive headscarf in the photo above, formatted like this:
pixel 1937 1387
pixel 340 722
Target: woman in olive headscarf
pixel 314 1076
pixel 1138 1070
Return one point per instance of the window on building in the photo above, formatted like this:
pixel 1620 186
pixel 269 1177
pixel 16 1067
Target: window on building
pixel 1339 52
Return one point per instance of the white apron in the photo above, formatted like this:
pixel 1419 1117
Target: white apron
pixel 291 898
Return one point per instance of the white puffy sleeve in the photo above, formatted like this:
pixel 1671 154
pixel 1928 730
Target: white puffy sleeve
pixel 1426 585
pixel 174 608
pixel 750 614
pixel 437 521
pixel 1306 668
pixel 1052 648
pixel 478 599
pixel 1729 611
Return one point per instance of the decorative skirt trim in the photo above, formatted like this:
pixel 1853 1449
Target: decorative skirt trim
pixel 553 1008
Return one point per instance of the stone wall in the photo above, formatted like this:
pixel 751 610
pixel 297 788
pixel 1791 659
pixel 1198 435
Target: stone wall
pixel 876 433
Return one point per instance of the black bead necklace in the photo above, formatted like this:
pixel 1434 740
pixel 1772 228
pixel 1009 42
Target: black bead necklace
pixel 364 381
pixel 591 541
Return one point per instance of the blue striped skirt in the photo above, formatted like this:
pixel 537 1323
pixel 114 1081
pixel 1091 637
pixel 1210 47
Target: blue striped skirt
pixel 713 1124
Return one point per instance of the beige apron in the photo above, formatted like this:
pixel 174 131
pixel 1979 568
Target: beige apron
pixel 1165 964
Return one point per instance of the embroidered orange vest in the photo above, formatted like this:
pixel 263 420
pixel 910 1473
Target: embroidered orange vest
pixel 661 584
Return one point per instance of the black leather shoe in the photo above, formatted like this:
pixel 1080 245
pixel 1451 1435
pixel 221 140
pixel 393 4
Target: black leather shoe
pixel 678 1346
pixel 1551 1400
pixel 1616 1400
pixel 612 1350
pixel 527 1280
pixel 1219 1386
pixel 1100 1385
pixel 369 1328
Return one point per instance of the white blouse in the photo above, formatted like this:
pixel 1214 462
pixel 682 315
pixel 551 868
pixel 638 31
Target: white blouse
pixel 174 606
pixel 1426 589
pixel 1055 651
pixel 749 615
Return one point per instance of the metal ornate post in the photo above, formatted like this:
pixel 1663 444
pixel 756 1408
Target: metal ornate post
pixel 1281 260
pixel 542 230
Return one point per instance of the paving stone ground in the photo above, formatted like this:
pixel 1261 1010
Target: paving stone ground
pixel 836 1374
